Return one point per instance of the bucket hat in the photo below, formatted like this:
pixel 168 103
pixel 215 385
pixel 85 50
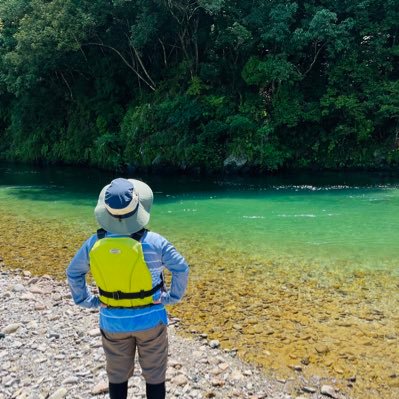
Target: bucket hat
pixel 124 206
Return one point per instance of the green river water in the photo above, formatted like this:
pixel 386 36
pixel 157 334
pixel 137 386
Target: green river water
pixel 300 246
pixel 333 219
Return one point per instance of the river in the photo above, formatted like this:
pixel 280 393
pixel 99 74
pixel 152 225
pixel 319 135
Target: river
pixel 295 270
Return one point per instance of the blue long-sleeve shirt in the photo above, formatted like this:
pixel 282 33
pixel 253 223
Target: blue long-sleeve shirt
pixel 159 253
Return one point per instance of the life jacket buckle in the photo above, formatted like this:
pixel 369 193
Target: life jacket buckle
pixel 142 294
pixel 116 295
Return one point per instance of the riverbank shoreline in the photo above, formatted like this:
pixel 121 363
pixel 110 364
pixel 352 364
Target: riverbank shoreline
pixel 51 349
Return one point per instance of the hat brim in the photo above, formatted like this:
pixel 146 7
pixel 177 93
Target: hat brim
pixel 131 224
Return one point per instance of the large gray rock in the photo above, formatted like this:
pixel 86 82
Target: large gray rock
pixel 235 161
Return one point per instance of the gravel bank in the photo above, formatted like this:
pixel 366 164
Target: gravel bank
pixel 51 349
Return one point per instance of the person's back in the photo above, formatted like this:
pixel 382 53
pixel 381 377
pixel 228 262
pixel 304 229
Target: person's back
pixel 127 263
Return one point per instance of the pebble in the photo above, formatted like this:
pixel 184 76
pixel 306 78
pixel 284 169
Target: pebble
pixel 70 380
pixel 214 343
pixel 321 349
pixel 53 335
pixel 223 366
pixel 328 390
pixel 11 328
pixel 18 288
pixel 101 387
pixel 28 296
pixel 179 380
pixel 217 382
pixel 36 290
pixel 59 394
pixel 309 389
pixel 54 352
pixel 237 375
pixel 95 332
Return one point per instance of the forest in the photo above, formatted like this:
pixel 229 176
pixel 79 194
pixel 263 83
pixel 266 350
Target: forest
pixel 200 85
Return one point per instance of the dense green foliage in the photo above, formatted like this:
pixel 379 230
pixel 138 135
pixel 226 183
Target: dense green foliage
pixel 200 83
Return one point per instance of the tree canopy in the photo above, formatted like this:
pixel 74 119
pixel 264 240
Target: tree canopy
pixel 200 84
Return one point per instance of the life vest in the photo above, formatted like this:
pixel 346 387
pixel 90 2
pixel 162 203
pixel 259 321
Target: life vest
pixel 120 271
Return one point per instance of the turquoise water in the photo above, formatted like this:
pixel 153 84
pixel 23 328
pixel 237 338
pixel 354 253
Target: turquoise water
pixel 345 220
pixel 341 223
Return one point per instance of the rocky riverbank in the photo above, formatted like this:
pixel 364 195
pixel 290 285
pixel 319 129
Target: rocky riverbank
pixel 51 349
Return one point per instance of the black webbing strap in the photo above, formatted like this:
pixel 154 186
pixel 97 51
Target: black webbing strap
pixel 117 295
pixel 101 233
pixel 138 235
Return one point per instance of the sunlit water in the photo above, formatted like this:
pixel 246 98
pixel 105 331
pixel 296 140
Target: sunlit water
pixel 330 224
pixel 306 261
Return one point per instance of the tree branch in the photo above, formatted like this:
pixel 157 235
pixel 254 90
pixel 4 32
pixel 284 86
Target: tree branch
pixel 314 59
pixel 124 60
pixel 142 65
pixel 67 85
pixel 164 52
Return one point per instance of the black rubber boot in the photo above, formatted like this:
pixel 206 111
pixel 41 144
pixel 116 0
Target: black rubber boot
pixel 118 391
pixel 156 391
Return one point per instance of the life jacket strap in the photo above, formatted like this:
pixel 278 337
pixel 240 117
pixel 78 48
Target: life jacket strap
pixel 138 235
pixel 101 233
pixel 117 295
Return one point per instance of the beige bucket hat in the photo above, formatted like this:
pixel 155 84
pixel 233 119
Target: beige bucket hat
pixel 124 206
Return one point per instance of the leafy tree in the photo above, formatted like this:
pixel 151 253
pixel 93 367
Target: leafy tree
pixel 193 83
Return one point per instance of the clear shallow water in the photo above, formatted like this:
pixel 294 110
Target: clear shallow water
pixel 334 220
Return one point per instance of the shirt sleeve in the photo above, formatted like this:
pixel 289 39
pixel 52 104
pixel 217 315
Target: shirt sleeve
pixel 177 265
pixel 76 274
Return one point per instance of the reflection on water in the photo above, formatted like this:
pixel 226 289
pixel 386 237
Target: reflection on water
pixel 298 273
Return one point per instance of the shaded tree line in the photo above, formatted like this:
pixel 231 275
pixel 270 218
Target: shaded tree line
pixel 200 84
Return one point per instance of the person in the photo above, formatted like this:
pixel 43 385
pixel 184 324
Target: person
pixel 127 261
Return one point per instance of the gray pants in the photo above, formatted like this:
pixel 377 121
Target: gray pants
pixel 152 348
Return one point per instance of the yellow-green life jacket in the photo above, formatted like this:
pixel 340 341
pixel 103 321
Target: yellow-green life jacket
pixel 120 272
